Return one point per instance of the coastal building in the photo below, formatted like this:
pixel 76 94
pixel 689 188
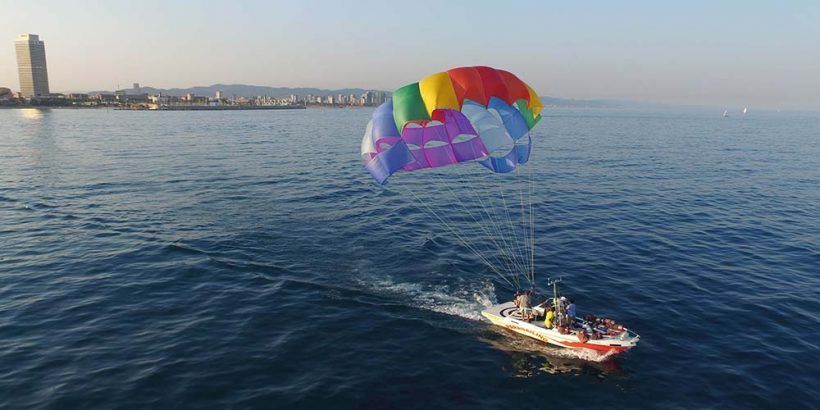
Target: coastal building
pixel 6 96
pixel 78 97
pixel 105 98
pixel 380 98
pixel 137 98
pixel 31 65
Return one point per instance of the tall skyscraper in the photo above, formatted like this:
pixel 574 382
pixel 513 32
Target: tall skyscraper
pixel 31 65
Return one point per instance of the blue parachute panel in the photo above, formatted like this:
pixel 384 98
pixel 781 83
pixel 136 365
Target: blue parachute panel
pixel 389 161
pixel 383 123
pixel 513 121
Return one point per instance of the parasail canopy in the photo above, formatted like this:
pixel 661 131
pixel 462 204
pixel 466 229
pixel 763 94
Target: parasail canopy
pixel 466 114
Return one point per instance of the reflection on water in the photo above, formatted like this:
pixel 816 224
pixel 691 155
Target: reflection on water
pixel 531 358
pixel 32 113
pixel 40 149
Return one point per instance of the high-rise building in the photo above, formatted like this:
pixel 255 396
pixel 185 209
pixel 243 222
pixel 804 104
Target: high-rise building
pixel 31 65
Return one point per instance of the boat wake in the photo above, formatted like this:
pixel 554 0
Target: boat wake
pixel 465 301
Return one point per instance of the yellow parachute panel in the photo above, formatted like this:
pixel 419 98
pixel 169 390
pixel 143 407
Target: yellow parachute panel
pixel 535 102
pixel 437 92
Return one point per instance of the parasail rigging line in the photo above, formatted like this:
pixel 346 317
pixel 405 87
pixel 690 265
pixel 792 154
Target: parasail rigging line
pixel 526 221
pixel 512 227
pixel 503 246
pixel 500 227
pixel 460 238
pixel 483 227
pixel 532 226
pixel 524 229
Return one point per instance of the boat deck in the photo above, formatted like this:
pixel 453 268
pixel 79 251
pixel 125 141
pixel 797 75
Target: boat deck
pixel 509 310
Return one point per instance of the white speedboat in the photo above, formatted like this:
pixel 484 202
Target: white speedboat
pixel 603 336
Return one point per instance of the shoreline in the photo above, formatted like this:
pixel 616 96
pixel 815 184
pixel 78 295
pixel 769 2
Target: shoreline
pixel 176 108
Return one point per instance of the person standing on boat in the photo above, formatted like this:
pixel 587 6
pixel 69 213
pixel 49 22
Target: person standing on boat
pixel 571 311
pixel 524 306
pixel 562 311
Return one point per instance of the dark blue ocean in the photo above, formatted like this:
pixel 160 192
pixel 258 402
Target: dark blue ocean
pixel 247 260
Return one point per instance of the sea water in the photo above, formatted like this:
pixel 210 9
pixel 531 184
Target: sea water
pixel 246 259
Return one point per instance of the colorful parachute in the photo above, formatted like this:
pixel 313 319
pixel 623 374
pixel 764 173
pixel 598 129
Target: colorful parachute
pixel 464 114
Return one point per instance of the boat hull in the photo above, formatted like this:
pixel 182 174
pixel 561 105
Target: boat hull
pixel 506 315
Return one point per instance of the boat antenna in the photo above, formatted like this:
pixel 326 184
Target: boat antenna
pixel 554 283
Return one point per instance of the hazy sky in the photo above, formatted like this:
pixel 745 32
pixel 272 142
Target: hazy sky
pixel 754 53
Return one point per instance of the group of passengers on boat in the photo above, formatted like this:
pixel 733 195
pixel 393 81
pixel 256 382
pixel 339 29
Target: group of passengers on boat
pixel 560 314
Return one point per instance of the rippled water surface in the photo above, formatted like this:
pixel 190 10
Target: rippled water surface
pixel 245 259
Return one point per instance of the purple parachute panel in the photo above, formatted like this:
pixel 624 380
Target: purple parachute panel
pixel 447 139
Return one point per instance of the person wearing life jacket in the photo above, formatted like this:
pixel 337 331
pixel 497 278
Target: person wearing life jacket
pixel 550 317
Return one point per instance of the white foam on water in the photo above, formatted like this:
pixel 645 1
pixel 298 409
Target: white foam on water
pixel 583 354
pixel 467 301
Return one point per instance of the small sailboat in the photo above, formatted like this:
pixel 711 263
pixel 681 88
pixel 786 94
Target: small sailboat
pixel 744 110
pixel 725 113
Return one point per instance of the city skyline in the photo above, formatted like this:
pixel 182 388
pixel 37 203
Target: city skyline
pixel 703 53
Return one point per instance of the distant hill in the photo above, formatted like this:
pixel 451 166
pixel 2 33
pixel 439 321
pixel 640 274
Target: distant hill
pixel 244 90
pixel 572 103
